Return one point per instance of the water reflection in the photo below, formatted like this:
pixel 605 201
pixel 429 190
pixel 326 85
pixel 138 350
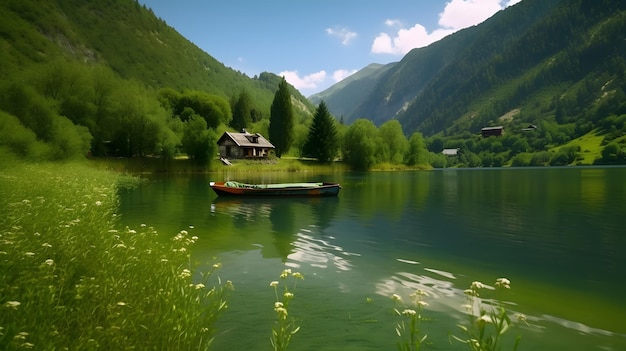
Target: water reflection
pixel 319 252
pixel 285 217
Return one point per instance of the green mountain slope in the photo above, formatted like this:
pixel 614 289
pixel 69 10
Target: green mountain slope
pixel 121 34
pixel 347 94
pixel 108 77
pixel 550 60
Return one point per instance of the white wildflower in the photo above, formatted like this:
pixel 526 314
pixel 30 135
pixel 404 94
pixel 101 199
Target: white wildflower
pixel 285 273
pixel 12 304
pixel 503 283
pixel 477 285
pixel 409 312
pixel 185 273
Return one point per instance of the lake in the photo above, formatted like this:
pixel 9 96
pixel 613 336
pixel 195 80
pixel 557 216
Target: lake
pixel 556 233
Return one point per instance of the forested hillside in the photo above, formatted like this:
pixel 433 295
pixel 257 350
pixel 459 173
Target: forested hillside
pixel 558 65
pixel 109 78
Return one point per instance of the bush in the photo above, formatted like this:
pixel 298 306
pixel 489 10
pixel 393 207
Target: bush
pixel 18 139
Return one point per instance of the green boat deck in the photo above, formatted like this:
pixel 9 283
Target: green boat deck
pixel 233 184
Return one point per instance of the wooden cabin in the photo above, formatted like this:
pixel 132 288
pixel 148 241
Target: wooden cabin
pixel 492 131
pixel 450 152
pixel 244 145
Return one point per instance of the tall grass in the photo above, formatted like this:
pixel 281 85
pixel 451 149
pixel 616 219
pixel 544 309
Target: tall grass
pixel 71 278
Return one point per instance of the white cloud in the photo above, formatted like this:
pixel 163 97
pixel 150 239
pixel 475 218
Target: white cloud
pixel 310 81
pixel 342 33
pixel 406 39
pixel 342 74
pixel 393 23
pixel 457 14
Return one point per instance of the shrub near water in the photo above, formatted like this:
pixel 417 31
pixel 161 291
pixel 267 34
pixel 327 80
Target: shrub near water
pixel 70 279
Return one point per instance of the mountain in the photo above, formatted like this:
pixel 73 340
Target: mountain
pixel 107 77
pixel 540 59
pixel 346 95
pixel 123 35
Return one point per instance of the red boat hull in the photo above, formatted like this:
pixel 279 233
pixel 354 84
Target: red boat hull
pixel 299 189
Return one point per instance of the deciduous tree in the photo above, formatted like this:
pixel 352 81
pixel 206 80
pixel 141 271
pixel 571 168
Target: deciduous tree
pixel 417 153
pixel 197 142
pixel 360 144
pixel 393 142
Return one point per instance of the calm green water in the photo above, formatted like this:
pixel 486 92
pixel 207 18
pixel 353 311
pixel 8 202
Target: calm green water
pixel 557 234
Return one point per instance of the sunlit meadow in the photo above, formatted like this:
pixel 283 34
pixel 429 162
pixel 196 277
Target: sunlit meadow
pixel 71 278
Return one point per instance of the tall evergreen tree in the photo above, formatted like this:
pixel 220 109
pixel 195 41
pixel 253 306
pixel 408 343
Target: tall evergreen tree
pixel 281 120
pixel 322 142
pixel 241 112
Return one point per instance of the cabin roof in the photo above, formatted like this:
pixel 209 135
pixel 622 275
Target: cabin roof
pixel 246 140
pixel 492 128
pixel 450 152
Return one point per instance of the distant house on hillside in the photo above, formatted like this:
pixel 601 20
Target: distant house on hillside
pixel 450 152
pixel 244 145
pixel 492 131
pixel 530 128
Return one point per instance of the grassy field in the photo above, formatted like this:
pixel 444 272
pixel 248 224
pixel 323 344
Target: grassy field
pixel 591 145
pixel 71 278
pixel 184 166
pixel 284 164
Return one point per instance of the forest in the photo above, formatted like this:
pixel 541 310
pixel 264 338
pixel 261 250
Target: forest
pixel 107 79
pixel 555 64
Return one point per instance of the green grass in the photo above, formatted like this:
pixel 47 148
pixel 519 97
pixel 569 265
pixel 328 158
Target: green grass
pixel 184 166
pixel 71 278
pixel 590 147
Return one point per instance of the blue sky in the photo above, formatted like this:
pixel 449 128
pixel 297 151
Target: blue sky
pixel 316 43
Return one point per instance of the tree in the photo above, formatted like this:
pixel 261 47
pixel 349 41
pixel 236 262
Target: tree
pixel 197 142
pixel 322 141
pixel 281 120
pixel 417 153
pixel 17 138
pixel 612 153
pixel 393 144
pixel 360 144
pixel 214 109
pixel 241 112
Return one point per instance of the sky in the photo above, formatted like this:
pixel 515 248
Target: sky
pixel 317 43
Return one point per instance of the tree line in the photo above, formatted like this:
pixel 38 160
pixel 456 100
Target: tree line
pixel 62 110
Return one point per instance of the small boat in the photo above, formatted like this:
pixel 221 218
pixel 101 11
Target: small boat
pixel 232 188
